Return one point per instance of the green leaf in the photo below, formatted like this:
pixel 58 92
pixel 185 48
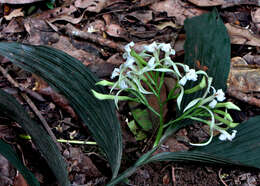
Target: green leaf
pixel 72 79
pixel 139 134
pixel 12 109
pixel 141 116
pixel 207 41
pixel 244 150
pixel 7 151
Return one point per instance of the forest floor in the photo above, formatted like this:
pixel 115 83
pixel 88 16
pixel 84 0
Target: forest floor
pixel 95 32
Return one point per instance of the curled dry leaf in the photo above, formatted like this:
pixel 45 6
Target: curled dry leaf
pixel 163 25
pixel 207 2
pixel 256 18
pixel 177 9
pixel 143 16
pixel 91 5
pixel 43 88
pixel 15 13
pixel 242 36
pixel 115 30
pixel 6 171
pixel 67 18
pixel 15 26
pixel 246 78
pixel 18 1
pixel 244 81
pixel 252 59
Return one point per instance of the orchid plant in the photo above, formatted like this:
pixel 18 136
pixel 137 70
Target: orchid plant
pixel 144 73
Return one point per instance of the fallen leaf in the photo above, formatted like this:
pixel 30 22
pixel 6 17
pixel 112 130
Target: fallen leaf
pixel 6 171
pixel 142 15
pixel 91 5
pixel 18 1
pixel 252 59
pixel 243 77
pixel 115 30
pixel 256 18
pixel 242 36
pixel 20 181
pixel 15 13
pixel 207 2
pixel 15 26
pixel 163 25
pixel 178 9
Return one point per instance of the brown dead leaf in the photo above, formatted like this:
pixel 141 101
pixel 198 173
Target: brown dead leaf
pixel 243 77
pixel 207 2
pixel 20 181
pixel 163 25
pixel 64 10
pixel 242 36
pixel 174 145
pixel 39 32
pixel 256 18
pixel 18 1
pixel 91 5
pixel 115 30
pixel 79 163
pixel 252 59
pixel 15 13
pixel 65 45
pixel 15 26
pixel 142 15
pixel 178 9
pixel 6 171
pixel 43 88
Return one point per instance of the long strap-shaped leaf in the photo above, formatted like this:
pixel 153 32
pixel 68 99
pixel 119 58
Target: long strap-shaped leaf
pixel 244 150
pixel 207 45
pixel 11 108
pixel 7 151
pixel 71 78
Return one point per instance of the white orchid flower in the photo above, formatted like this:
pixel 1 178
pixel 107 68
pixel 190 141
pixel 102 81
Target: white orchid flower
pixel 167 49
pixel 151 62
pixel 115 73
pixel 152 47
pixel 183 81
pixel 123 84
pixel 224 136
pixel 191 75
pixel 213 103
pixel 129 62
pixel 220 95
pixel 128 46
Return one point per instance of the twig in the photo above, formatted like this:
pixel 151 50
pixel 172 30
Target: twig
pixel 72 31
pixel 173 176
pixel 219 175
pixel 77 142
pixel 31 104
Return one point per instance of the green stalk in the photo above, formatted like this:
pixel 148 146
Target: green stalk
pixel 161 104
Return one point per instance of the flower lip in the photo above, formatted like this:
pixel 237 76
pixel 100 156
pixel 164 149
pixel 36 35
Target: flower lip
pixel 183 81
pixel 152 47
pixel 213 103
pixel 191 75
pixel 115 73
pixel 220 95
pixel 226 136
pixel 151 62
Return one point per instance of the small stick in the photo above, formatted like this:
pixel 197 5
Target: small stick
pixel 72 31
pixel 31 104
pixel 219 175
